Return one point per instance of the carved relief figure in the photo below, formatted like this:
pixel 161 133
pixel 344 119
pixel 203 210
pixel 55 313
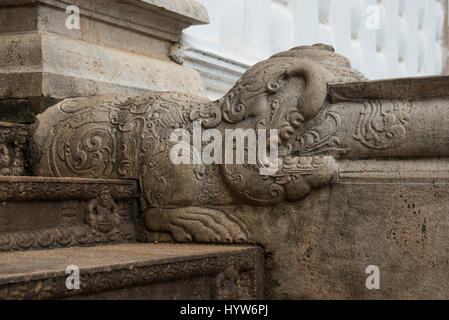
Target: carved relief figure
pixel 102 213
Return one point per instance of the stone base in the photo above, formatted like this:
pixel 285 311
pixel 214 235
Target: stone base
pixel 43 213
pixel 135 271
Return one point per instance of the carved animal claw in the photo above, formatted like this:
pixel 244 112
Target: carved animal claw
pixel 197 224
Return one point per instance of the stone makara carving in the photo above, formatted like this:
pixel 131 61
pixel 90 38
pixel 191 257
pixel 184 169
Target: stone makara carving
pixel 129 138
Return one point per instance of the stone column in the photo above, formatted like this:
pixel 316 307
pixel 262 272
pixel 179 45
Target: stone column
pixel 120 47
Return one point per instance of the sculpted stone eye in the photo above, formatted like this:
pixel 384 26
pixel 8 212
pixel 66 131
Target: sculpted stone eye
pixel 273 87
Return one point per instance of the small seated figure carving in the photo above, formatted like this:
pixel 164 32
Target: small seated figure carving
pixel 102 214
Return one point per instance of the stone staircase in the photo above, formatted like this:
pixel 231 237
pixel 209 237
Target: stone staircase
pixel 134 271
pixel 48 224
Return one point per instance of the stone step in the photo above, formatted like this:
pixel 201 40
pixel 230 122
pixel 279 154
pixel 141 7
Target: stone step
pixel 43 213
pixel 135 271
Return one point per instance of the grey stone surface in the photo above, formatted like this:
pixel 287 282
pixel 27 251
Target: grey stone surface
pixel 47 65
pixel 136 271
pixel 188 9
pixel 391 214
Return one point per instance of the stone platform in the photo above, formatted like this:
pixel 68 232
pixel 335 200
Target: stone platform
pixel 135 271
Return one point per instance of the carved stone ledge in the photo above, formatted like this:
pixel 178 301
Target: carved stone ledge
pixel 16 189
pixel 143 271
pixel 388 213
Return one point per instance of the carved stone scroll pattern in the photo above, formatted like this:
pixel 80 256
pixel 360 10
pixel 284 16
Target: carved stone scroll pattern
pixel 63 237
pixel 11 190
pixel 383 125
pixel 121 137
pixel 322 139
pixel 295 173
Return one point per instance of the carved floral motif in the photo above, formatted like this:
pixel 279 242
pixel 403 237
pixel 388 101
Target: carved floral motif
pixel 322 139
pixel 383 125
pixel 63 237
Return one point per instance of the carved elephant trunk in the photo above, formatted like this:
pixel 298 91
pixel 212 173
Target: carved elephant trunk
pixel 315 92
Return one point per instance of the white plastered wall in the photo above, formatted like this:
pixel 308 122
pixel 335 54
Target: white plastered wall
pixel 406 40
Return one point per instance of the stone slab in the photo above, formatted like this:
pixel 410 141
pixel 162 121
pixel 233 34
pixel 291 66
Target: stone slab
pixel 71 68
pixel 143 271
